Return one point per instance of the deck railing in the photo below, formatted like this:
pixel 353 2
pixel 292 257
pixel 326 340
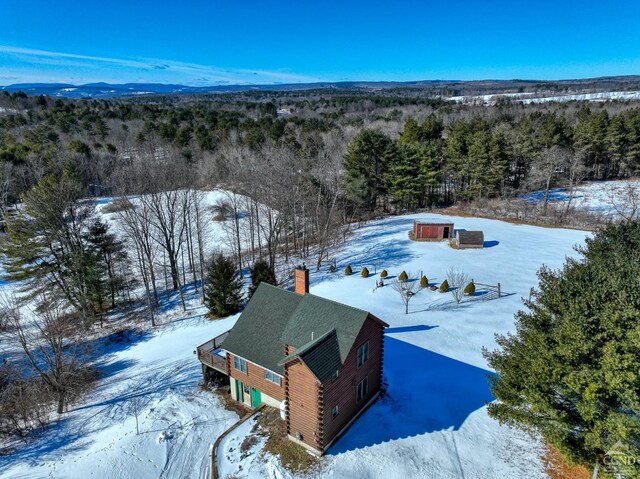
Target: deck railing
pixel 207 355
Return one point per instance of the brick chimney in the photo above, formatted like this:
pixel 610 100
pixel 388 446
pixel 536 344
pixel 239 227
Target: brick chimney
pixel 301 279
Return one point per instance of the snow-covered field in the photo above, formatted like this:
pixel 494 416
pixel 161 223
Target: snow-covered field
pixel 217 234
pixel 609 198
pixel 433 422
pixel 534 97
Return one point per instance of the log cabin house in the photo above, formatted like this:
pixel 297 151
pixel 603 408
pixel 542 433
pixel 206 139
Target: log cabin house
pixel 317 360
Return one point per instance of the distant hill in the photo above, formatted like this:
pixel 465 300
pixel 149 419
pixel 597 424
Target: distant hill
pixel 439 88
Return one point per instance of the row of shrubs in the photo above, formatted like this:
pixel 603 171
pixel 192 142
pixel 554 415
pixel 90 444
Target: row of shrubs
pixel 424 282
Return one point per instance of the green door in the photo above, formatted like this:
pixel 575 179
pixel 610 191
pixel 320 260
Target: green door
pixel 256 398
pixel 239 393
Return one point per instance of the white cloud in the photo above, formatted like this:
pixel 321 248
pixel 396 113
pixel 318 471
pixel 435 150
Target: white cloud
pixel 32 65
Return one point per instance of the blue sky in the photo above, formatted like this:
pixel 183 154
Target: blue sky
pixel 198 42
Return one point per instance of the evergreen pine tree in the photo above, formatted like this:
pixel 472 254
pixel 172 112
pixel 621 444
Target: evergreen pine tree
pixel 405 183
pixel 223 287
pixel 470 289
pixel 47 249
pixel 570 373
pixel 366 167
pixel 261 272
pixel 111 261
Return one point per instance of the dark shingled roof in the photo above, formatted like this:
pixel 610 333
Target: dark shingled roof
pixel 321 330
pixel 322 355
pixel 256 334
pixel 318 316
pixel 471 237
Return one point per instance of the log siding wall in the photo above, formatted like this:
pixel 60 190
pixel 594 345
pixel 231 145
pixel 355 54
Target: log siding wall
pixel 342 391
pixel 303 405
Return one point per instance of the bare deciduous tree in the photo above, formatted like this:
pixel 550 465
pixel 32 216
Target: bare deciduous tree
pixel 575 171
pixel 543 172
pixel 135 221
pixel 406 289
pixel 48 343
pixel 624 200
pixel 457 280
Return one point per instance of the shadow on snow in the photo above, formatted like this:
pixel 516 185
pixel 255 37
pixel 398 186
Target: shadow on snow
pixel 427 392
pixel 72 432
pixel 409 329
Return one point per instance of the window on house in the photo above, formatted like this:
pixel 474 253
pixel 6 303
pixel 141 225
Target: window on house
pixel 334 411
pixel 240 364
pixel 273 377
pixel 334 376
pixel 361 389
pixel 363 354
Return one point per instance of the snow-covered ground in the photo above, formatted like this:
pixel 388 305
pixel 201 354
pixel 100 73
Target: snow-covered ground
pixel 536 97
pixel 432 423
pixel 8 110
pixel 235 459
pixel 217 237
pixel 597 96
pixel 608 198
pixel 155 373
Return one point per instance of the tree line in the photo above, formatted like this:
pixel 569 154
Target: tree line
pixel 404 152
pixel 468 160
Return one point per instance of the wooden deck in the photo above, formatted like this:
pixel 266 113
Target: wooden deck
pixel 207 354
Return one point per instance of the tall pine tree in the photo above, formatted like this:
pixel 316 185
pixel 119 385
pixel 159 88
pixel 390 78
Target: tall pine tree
pixel 47 249
pixel 571 371
pixel 223 287
pixel 366 167
pixel 262 272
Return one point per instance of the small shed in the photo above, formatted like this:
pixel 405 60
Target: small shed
pixel 433 231
pixel 469 239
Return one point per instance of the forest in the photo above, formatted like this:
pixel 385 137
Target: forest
pixel 297 170
pixel 390 152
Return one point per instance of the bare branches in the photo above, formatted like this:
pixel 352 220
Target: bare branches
pixel 47 341
pixel 406 289
pixel 624 200
pixel 552 161
pixel 457 280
